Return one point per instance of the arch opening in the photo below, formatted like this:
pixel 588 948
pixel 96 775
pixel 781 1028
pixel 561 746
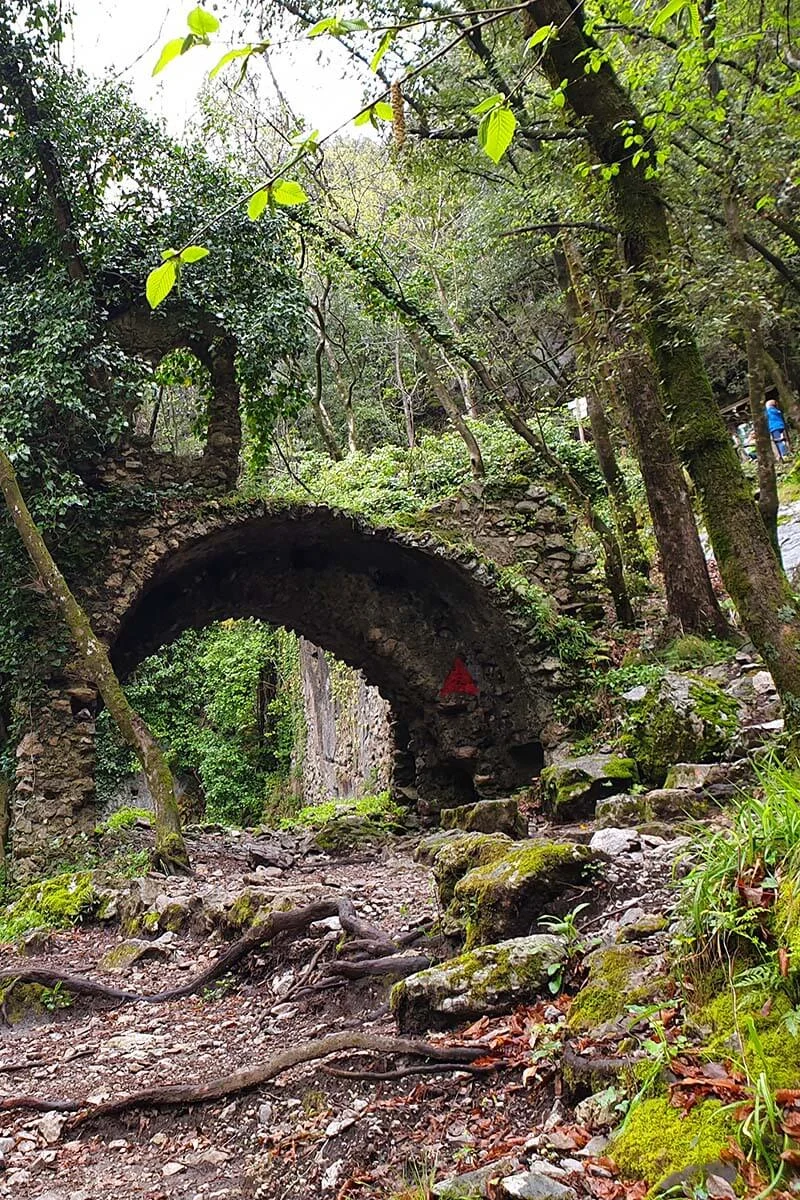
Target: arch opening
pixel 403 611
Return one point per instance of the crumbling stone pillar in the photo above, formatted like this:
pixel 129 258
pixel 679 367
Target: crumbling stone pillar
pixel 53 803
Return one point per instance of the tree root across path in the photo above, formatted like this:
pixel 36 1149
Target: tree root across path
pixel 258 935
pixel 182 1095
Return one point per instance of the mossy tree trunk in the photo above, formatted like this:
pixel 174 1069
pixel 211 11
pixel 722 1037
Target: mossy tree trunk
pixel 742 547
pixel 170 852
pixel 629 373
pixel 582 314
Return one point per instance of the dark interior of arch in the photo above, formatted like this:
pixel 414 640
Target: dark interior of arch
pixel 400 614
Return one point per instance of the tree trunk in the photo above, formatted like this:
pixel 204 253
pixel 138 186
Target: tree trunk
pixel 170 851
pixel 5 817
pixel 320 413
pixel 405 395
pixel 224 436
pixel 439 389
pixel 747 562
pixel 756 382
pixel 345 391
pixel 691 602
pixel 569 270
pixel 787 400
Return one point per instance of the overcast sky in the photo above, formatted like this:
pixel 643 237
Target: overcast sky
pixel 125 38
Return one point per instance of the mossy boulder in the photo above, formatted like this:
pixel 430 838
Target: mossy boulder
pixel 429 846
pixel 661 804
pixel 21 1002
pixel 658 1139
pixel 680 719
pixel 618 978
pixel 461 854
pixel 504 898
pixel 486 816
pixel 490 979
pixel 572 787
pixel 53 903
pixel 342 825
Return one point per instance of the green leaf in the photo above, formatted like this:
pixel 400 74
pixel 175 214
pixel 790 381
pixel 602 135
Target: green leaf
pixel 286 191
pixel 165 254
pixel 170 51
pixel 670 9
pixel 240 52
pixel 354 25
pixel 202 22
pixel 193 254
pixel 257 203
pixel 558 99
pixel 543 34
pixel 383 46
pixel 323 26
pixel 161 281
pixel 496 131
pixel 694 20
pixel 364 117
pixel 383 111
pixel 488 104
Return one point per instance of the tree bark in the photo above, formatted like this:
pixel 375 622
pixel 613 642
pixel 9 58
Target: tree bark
pixel 170 850
pixel 569 270
pixel 742 547
pixel 630 375
pixel 439 389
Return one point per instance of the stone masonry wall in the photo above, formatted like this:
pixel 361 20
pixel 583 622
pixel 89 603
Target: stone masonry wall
pixel 349 747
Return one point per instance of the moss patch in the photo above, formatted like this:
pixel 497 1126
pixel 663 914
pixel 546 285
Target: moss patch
pixel 775 1049
pixel 571 789
pixel 615 982
pixel 458 855
pixel 51 904
pixel 657 1139
pixel 680 720
pixel 504 898
pixel 490 979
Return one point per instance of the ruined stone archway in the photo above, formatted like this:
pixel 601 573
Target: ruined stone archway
pixel 400 606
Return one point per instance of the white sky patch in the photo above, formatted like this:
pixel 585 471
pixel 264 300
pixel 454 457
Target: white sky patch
pixel 125 39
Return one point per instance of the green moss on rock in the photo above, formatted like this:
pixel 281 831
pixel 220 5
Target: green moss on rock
pixel 618 977
pixel 486 816
pixel 658 1140
pixel 19 1001
pixel 571 789
pixel 489 979
pixel 504 898
pixel 680 719
pixel 50 904
pixel 730 1021
pixel 458 855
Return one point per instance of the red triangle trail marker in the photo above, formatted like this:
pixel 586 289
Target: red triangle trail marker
pixel 459 682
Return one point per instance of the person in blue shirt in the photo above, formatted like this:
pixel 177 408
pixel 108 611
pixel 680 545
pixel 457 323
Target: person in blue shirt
pixel 777 428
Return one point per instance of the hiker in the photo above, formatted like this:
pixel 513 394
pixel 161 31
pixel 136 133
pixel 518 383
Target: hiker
pixel 777 428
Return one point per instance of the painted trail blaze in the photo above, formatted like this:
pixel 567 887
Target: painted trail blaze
pixel 459 682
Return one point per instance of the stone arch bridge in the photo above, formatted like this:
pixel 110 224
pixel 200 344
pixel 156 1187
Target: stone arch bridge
pixel 405 607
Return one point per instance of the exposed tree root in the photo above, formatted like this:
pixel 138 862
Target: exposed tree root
pixel 258 935
pixel 402 1072
pixel 390 964
pixel 182 1095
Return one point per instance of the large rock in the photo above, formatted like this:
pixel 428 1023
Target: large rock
pixel 505 898
pixel 661 804
pixel 571 787
pixel 486 816
pixel 491 979
pixel 680 719
pixel 459 855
